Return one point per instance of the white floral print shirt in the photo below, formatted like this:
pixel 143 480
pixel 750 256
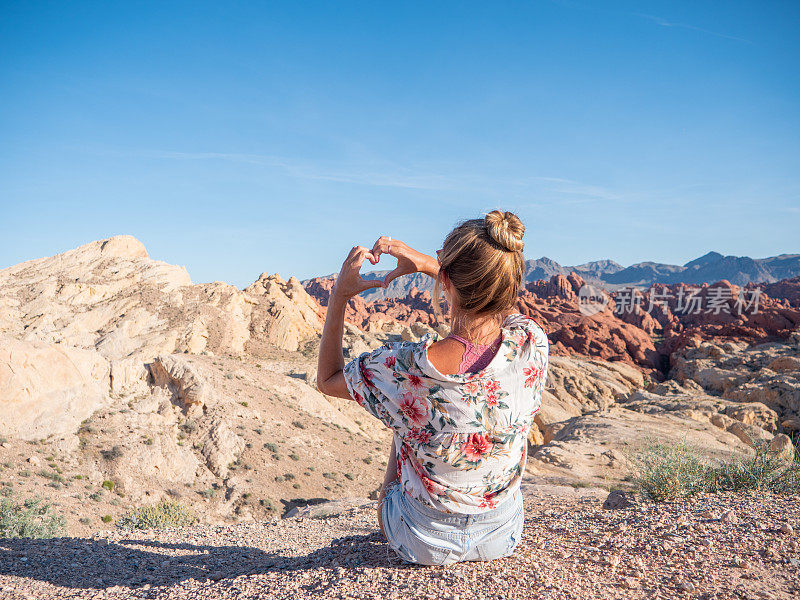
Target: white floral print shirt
pixel 461 439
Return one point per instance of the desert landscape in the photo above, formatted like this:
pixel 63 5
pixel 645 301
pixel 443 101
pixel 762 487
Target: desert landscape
pixel 182 183
pixel 123 384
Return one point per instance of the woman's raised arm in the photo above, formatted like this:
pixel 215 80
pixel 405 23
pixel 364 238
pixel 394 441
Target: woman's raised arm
pixel 349 283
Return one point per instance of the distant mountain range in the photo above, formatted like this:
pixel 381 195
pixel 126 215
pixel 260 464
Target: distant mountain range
pixel 709 268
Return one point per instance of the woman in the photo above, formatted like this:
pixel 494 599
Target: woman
pixel 460 407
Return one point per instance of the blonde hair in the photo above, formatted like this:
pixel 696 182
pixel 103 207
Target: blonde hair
pixel 483 260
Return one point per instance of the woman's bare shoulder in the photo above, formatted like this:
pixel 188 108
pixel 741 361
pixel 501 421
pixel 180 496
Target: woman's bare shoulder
pixel 445 355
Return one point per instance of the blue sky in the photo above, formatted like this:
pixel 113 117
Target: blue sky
pixel 240 137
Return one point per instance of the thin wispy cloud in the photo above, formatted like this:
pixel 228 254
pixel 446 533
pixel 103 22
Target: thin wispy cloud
pixel 394 176
pixel 665 23
pixel 576 188
pixel 388 174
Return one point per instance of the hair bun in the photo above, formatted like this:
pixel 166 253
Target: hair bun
pixel 506 229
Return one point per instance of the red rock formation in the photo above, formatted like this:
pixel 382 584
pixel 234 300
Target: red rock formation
pixel 721 310
pixel 554 304
pixel 786 289
pixel 642 329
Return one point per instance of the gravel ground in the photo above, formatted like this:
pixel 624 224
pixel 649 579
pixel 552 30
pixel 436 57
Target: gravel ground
pixel 721 546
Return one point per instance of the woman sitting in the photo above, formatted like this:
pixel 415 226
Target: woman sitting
pixel 460 407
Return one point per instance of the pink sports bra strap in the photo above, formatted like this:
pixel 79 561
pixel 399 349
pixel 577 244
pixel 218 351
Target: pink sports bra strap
pixel 476 356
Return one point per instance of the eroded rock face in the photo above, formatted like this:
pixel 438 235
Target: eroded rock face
pixel 594 446
pixel 595 414
pixel 287 316
pixel 109 296
pixel 746 375
pixel 96 315
pixel 48 389
pixel 221 446
pixel 160 465
pixel 188 389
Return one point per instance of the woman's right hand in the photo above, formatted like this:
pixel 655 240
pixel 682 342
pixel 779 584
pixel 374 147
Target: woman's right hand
pixel 408 260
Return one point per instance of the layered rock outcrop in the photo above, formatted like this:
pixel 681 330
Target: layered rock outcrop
pixel 81 326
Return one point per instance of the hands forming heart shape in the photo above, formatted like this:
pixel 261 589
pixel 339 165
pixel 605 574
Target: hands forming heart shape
pixel 350 282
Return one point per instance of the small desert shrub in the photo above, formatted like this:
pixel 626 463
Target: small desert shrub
pixel 349 476
pixel 761 471
pixel 665 473
pixel 157 516
pixel 30 519
pixel 106 518
pixel 208 492
pixel 109 485
pixel 294 456
pixel 112 454
pixel 51 475
pixel 271 447
pixel 298 424
pixel 188 426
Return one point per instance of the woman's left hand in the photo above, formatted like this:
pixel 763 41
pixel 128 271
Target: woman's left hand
pixel 349 282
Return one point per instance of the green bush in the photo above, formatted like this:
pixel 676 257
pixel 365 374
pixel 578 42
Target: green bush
pixel 109 485
pixel 106 518
pixel 761 471
pixel 157 516
pixel 30 519
pixel 51 475
pixel 663 472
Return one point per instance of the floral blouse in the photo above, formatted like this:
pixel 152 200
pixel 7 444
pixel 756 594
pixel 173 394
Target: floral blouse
pixel 461 439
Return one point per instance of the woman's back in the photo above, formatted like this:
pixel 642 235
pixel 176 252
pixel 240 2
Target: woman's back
pixel 461 436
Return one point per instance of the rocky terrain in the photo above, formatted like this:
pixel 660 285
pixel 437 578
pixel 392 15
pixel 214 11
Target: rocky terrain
pixel 123 383
pixel 720 546
pixel 709 268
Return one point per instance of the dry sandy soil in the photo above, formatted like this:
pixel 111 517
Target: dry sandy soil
pixel 296 449
pixel 720 546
